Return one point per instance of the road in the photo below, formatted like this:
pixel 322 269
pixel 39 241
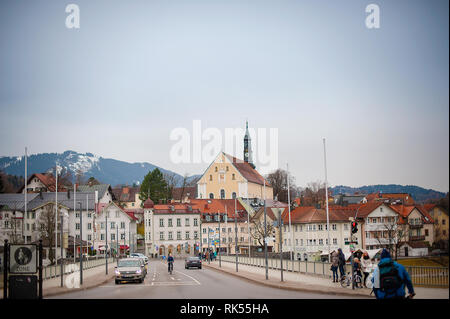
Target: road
pixel 189 283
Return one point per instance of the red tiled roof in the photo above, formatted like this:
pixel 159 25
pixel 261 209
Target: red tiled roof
pixel 177 209
pixel 48 180
pixel 179 192
pixel 247 171
pixel 212 206
pixel 405 210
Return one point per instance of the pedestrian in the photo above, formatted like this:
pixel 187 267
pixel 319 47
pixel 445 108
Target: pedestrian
pixel 366 265
pixel 341 264
pixel 390 278
pixel 357 270
pixel 207 255
pixel 335 265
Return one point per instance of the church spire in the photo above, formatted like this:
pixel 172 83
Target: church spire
pixel 248 156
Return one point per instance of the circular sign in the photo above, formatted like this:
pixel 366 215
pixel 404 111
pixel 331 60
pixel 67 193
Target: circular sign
pixel 23 256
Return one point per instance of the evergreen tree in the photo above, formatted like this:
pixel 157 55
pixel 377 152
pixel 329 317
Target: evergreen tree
pixel 155 185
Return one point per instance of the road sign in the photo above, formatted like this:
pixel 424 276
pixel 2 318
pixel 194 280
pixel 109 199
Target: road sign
pixel 23 259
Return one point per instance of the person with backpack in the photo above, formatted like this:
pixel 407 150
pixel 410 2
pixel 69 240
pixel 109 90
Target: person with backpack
pixel 390 278
pixel 334 266
pixel 341 264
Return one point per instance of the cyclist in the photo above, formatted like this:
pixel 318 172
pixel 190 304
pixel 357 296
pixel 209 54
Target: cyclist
pixel 170 263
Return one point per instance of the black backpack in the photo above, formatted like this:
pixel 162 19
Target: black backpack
pixel 390 280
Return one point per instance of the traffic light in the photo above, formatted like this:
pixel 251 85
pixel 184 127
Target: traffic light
pixel 354 227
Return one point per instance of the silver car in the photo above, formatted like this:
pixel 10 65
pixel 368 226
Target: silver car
pixel 130 269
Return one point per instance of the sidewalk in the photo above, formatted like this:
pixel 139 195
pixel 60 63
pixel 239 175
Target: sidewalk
pixel 311 283
pixel 92 277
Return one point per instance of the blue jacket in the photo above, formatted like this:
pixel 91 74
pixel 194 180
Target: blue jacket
pixel 170 259
pixel 404 276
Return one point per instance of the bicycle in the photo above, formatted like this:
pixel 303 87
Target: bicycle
pixel 346 281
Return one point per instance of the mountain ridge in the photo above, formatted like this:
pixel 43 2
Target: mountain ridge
pixel 106 170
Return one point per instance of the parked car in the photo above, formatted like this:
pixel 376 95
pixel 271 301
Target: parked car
pixel 130 269
pixel 192 262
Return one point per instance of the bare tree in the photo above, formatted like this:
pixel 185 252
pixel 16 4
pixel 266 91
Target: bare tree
pixel 278 181
pixel 79 177
pixel 171 181
pixel 313 194
pixel 392 235
pixel 257 230
pixel 46 226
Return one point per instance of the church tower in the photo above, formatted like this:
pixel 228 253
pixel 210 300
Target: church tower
pixel 248 156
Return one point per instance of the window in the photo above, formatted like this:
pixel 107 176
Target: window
pixel 233 195
pixel 314 227
pixel 334 227
pixel 229 229
pixel 233 177
pixel 77 236
pixel 443 221
pixel 204 230
pixel 113 225
pixel 122 224
pixel 161 235
pixel 169 222
pixel 204 240
pixel 320 227
pixel 186 222
pixel 320 242
pixel 89 215
pixel 195 234
pixel 77 226
pixel 89 237
pixel 381 209
pixel 227 168
pixel 102 236
pixel 334 241
pixel 178 222
pixel 216 169
pixel 89 226
pixel 161 222
pixel 223 230
pixel 242 239
pixel 77 215
pixel 345 226
pixel 178 235
pixel 426 232
pixel 210 177
pixel 149 236
pixel 222 194
pixel 187 235
pixel 296 228
pixel 211 195
pixel 224 240
pixel 113 236
pixel 242 229
pixel 170 237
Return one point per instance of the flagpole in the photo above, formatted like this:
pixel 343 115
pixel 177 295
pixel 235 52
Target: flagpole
pixel 326 196
pixel 289 207
pixel 56 218
pixel 74 214
pixel 26 180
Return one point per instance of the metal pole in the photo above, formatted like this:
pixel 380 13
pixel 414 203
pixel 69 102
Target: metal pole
pixel 87 214
pixel 81 244
pixel 235 234
pixel 74 224
pixel 281 242
pixel 26 181
pixel 220 263
pixel 129 240
pixel 326 196
pixel 226 227
pixel 62 249
pixel 248 221
pixel 106 245
pixel 290 226
pixel 5 270
pixel 56 218
pixel 209 257
pixel 265 233
pixel 117 241
pixel 40 269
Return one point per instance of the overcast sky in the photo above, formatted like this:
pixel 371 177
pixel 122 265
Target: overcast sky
pixel 135 70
